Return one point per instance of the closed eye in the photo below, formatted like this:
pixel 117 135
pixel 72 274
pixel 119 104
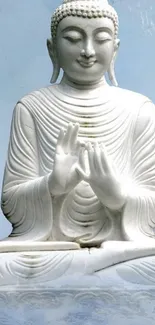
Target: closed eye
pixel 102 39
pixel 72 39
pixel 72 36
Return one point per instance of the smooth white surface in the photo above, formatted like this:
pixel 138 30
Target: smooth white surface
pixel 11 246
pixel 93 268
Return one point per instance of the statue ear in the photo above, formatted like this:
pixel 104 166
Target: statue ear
pixel 116 45
pixel 53 55
pixel 50 47
pixel 111 71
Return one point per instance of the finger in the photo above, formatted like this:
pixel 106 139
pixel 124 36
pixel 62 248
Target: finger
pixel 83 144
pixel 78 148
pixel 74 136
pixel 59 141
pixel 82 173
pixel 91 157
pixel 82 159
pixel 105 159
pixel 67 137
pixel 97 158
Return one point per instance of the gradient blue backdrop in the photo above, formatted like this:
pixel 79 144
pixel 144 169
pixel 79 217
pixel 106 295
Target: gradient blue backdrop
pixel 25 66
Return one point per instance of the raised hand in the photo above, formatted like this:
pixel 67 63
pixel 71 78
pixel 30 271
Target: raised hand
pixel 103 177
pixel 64 176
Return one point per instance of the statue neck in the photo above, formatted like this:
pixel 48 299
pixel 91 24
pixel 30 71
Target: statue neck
pixel 79 91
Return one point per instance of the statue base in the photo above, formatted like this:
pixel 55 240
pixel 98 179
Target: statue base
pixel 85 286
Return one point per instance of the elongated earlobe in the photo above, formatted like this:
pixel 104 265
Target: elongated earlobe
pixel 54 59
pixel 111 71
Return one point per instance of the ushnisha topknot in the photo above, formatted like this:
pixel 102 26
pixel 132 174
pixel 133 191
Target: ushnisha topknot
pixel 86 9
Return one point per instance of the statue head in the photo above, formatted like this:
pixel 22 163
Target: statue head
pixel 84 40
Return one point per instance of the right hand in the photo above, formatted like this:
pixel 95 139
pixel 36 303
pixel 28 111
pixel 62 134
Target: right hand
pixel 64 176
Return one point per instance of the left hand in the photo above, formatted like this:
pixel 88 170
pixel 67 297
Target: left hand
pixel 103 177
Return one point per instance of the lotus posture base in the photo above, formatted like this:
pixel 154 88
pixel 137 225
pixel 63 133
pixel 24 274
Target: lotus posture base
pixel 65 288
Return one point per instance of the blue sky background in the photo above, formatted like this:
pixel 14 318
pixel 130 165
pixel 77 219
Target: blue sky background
pixel 25 65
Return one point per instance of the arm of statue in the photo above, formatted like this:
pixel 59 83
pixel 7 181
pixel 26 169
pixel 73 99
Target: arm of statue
pixel 103 177
pixel 135 192
pixel 138 219
pixel 64 176
pixel 26 200
pixel 26 195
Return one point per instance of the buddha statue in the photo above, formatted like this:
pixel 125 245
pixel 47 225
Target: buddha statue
pixel 80 170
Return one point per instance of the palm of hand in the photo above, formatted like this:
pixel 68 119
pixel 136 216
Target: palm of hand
pixel 64 169
pixel 64 175
pixel 102 177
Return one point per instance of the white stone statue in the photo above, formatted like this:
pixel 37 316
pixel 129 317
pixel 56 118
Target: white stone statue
pixel 80 170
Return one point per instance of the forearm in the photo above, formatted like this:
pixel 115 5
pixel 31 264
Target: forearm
pixel 28 206
pixel 138 219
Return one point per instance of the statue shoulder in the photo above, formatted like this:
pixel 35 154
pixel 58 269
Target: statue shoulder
pixel 36 99
pixel 145 119
pixel 130 97
pixel 139 106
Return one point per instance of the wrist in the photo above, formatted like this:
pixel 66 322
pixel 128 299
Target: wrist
pixel 56 188
pixel 53 186
pixel 117 203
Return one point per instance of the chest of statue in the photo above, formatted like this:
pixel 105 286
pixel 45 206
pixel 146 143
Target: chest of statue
pixel 80 216
pixel 103 124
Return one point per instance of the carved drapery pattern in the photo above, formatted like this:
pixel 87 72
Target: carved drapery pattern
pixel 118 122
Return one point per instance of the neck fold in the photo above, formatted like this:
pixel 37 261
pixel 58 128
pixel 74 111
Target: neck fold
pixel 79 91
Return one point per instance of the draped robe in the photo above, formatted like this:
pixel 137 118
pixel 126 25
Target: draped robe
pixel 125 122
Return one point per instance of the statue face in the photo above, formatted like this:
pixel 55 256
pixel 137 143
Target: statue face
pixel 85 48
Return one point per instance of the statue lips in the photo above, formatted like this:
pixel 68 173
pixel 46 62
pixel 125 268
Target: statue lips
pixel 86 64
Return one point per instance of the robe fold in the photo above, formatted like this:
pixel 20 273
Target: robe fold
pixel 125 122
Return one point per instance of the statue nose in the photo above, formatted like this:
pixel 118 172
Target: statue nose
pixel 89 50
